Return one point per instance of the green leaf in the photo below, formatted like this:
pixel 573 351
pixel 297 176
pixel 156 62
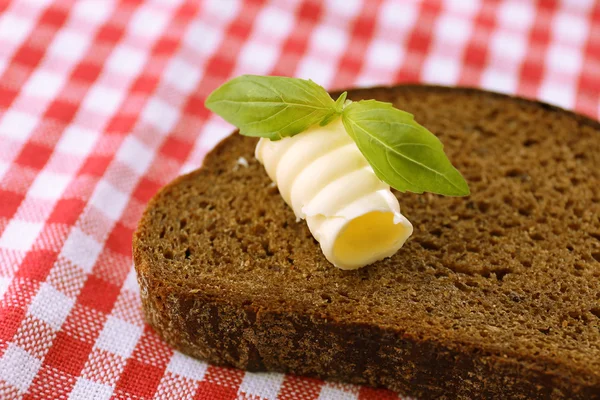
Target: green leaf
pixel 339 103
pixel 402 153
pixel 271 106
pixel 337 110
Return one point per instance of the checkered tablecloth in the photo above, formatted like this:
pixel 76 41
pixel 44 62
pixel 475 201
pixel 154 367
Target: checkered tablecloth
pixel 101 104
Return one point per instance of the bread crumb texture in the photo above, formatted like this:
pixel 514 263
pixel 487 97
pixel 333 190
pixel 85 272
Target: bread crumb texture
pixel 495 295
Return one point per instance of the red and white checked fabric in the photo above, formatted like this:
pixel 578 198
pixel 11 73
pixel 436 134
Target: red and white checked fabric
pixel 101 104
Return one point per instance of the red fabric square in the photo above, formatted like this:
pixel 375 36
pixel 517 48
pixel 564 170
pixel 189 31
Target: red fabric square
pixel 175 148
pixel 37 265
pixel 95 165
pixel 33 327
pixel 98 294
pixel 28 56
pixel 309 10
pixel 53 16
pixel 294 387
pixel 61 110
pixel 195 106
pixel 7 96
pixel 224 376
pixel 152 349
pixel 50 382
pixel 209 390
pixel 220 67
pixel 66 211
pixel 140 379
pixel 119 239
pixel 121 124
pixel 11 318
pixel 10 202
pixel 84 323
pixel 86 71
pixel 145 189
pixel 68 354
pixel 33 155
pixel 144 84
pixel 110 33
pixel 240 29
pixel 367 393
pixel 165 45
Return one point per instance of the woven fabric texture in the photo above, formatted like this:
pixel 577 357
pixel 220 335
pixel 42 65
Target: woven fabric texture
pixel 101 104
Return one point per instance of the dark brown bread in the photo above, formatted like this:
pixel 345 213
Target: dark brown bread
pixel 496 295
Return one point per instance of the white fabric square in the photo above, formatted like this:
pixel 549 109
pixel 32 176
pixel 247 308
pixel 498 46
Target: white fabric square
pixel 17 125
pixel 564 59
pixel 274 22
pixel 92 10
pixel 126 60
pixel 499 81
pixel 508 46
pixel 331 393
pixel 134 154
pixel 462 6
pixel 582 6
pixel 77 140
pixel 3 168
pixel 44 84
pixel 202 38
pixel 13 28
pixel 264 385
pixel 385 54
pixel 257 58
pixel 119 337
pixel 85 389
pixel 148 22
pixel 189 166
pixel 455 30
pixel 182 75
pixel 396 15
pixel 51 306
pixel 345 9
pixel 370 79
pixel 18 367
pixel 20 235
pixel 219 10
pixel 319 71
pixel 560 95
pixel 160 115
pixel 329 40
pixel 4 284
pixel 187 367
pixel 108 199
pixel 131 282
pixel 49 185
pixel 570 28
pixel 69 45
pixel 81 250
pixel 441 70
pixel 103 100
pixel 213 132
pixel 516 14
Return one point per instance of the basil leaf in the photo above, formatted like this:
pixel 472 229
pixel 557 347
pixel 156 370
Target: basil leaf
pixel 402 153
pixel 271 106
pixel 338 108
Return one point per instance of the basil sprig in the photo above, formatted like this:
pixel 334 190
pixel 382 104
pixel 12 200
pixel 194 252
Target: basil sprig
pixel 403 154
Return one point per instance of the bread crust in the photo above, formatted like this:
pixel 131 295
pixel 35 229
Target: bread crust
pixel 233 331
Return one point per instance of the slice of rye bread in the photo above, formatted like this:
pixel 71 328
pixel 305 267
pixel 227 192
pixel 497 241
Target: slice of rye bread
pixel 495 295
